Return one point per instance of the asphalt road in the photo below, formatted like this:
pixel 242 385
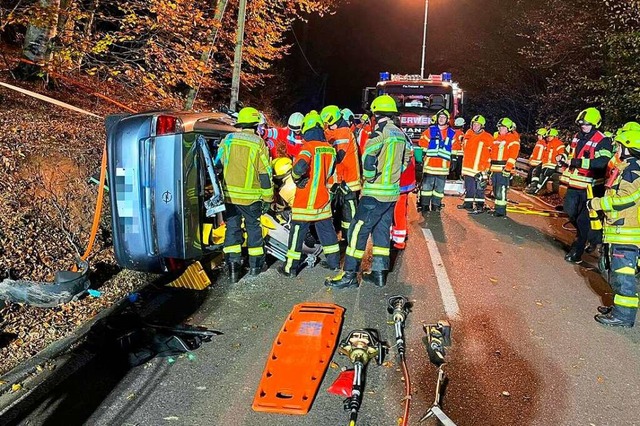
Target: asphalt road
pixel 526 350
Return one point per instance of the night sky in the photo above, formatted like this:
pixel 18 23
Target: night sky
pixel 365 37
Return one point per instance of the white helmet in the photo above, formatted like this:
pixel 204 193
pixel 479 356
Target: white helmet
pixel 295 121
pixel 347 114
pixel 459 122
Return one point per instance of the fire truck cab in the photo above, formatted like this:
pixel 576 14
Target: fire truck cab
pixel 418 98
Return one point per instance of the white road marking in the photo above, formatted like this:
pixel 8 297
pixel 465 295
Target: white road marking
pixel 446 290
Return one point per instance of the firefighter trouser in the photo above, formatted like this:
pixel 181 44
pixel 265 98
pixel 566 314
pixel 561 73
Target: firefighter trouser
pixel 344 206
pixel 575 205
pixel 326 235
pixel 373 218
pixel 622 278
pixel 233 237
pixel 545 175
pixel 400 211
pixel 473 193
pixel 432 191
pixel 534 174
pixel 500 185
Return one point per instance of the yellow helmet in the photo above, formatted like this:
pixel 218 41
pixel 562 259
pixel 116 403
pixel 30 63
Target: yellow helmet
pixel 281 167
pixel 384 104
pixel 631 125
pixel 590 116
pixel 630 139
pixel 310 121
pixel 330 114
pixel 542 132
pixel 507 122
pixel 479 119
pixel 553 133
pixel 248 117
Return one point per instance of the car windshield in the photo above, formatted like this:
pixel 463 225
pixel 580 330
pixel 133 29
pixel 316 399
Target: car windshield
pixel 421 103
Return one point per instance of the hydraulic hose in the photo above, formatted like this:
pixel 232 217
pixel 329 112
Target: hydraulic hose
pixel 407 390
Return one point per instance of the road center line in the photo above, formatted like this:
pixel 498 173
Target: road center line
pixel 446 290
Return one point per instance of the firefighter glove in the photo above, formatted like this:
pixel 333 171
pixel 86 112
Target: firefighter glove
pixel 576 162
pixel 506 174
pixel 302 182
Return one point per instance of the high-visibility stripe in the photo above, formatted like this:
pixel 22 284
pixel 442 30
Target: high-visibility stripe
pixel 345 225
pixel 334 248
pixel 438 194
pixel 626 270
pixel 381 251
pixel 357 254
pixel 351 250
pixel 256 251
pixel 626 301
pixel 291 254
pixel 232 249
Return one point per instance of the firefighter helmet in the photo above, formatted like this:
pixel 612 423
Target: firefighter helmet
pixel 589 116
pixel 310 121
pixel 443 112
pixel 630 139
pixel 507 122
pixel 553 133
pixel 479 119
pixel 630 126
pixel 330 114
pixel 248 117
pixel 459 122
pixel 281 167
pixel 384 104
pixel 295 121
pixel 542 132
pixel 347 114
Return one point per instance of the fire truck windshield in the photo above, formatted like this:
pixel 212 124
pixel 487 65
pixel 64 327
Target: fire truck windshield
pixel 421 103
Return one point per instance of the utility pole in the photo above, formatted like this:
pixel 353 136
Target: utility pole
pixel 237 60
pixel 221 5
pixel 424 37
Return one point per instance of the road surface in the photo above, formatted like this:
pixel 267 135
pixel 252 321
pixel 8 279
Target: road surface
pixel 526 350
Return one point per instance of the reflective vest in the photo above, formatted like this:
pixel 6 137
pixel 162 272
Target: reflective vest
pixel 246 170
pixel 347 170
pixel 583 176
pixel 283 137
pixel 385 157
pixel 504 152
pixel 538 151
pixel 554 148
pixel 456 147
pixel 437 150
pixel 620 205
pixel 476 152
pixel 313 201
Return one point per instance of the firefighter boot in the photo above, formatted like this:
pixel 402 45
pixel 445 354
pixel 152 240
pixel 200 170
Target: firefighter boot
pixel 605 309
pixel 235 271
pixel 466 206
pixel 610 320
pixel 424 204
pixel 346 279
pixel 378 278
pixel 573 257
pixel 283 271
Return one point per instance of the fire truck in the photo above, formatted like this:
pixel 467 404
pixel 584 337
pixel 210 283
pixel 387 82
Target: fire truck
pixel 418 98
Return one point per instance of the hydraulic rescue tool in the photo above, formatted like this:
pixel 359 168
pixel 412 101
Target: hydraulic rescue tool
pixel 437 339
pixel 360 346
pixel 399 308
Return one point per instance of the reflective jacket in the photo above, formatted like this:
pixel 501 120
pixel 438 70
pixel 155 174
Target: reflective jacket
pixel 620 205
pixel 554 148
pixel 385 157
pixel 536 156
pixel 244 159
pixel 476 152
pixel 594 151
pixel 436 145
pixel 504 152
pixel 277 137
pixel 456 147
pixel 347 158
pixel 315 167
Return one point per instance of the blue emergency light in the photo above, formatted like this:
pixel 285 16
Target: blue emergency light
pixel 446 76
pixel 385 76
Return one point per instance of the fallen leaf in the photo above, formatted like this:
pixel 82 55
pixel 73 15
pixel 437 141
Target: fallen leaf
pixel 334 365
pixel 505 393
pixel 170 418
pixel 131 396
pixel 387 364
pixel 539 303
pixel 493 280
pixel 16 387
pixel 600 379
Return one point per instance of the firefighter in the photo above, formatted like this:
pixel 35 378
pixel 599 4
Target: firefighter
pixel 248 191
pixel 340 136
pixel 350 118
pixel 589 153
pixel 475 164
pixel 401 210
pixel 385 157
pixel 314 173
pixel 290 137
pixel 457 150
pixel 620 205
pixel 436 144
pixel 553 155
pixel 535 160
pixel 504 154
